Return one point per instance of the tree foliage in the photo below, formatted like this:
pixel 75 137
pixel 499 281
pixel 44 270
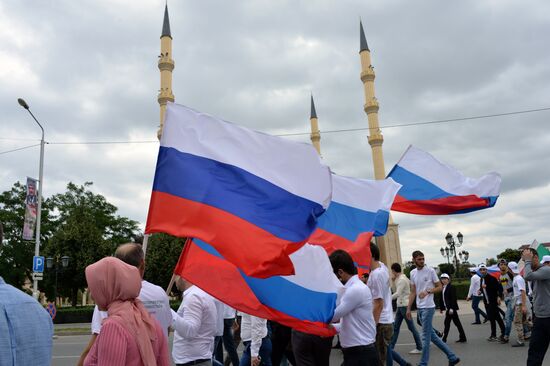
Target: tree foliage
pixel 446 268
pixel 163 251
pixel 510 255
pixel 77 223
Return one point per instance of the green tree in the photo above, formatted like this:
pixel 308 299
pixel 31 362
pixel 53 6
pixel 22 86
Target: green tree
pixel 510 255
pixel 15 253
pixel 163 251
pixel 446 268
pixel 88 229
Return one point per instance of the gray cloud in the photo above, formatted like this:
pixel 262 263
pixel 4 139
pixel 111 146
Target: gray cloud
pixel 88 70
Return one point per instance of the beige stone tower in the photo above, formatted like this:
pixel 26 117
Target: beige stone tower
pixel 166 65
pixel 315 133
pixel 389 244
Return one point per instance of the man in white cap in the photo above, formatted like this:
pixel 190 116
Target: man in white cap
pixel 449 304
pixel 540 279
pixel 520 303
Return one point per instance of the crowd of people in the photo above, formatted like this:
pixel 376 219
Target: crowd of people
pixel 133 318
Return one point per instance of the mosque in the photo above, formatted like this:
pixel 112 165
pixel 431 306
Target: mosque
pixel 389 244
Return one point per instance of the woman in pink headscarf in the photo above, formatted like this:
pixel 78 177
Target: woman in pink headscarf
pixel 129 335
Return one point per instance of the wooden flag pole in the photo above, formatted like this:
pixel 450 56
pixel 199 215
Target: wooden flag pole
pixel 175 276
pixel 144 245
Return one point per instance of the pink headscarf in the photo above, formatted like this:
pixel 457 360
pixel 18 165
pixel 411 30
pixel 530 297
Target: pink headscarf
pixel 115 286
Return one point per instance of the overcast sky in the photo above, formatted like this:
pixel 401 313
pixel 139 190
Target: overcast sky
pixel 88 69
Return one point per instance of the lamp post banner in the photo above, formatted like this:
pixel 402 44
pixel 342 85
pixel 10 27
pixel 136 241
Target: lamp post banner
pixel 31 204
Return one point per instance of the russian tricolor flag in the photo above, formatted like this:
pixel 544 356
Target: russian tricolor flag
pixel 304 301
pixel 359 209
pixel 254 197
pixel 431 187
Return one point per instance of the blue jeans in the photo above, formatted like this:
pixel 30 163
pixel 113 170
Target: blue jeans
pixel 428 334
pixel 509 315
pixel 475 306
pixel 400 315
pixel 265 353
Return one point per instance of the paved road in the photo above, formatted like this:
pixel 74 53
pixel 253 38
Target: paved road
pixel 476 352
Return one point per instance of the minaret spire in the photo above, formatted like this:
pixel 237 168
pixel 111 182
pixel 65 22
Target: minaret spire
pixel 166 66
pixel 389 244
pixel 315 135
pixel 166 23
pixel 363 45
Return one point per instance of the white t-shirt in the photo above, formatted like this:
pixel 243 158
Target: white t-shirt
pixel 155 301
pixel 220 310
pixel 379 285
pixel 518 285
pixel 424 279
pixel 228 312
pixel 356 326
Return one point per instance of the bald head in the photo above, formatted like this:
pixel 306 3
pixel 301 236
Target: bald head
pixel 132 254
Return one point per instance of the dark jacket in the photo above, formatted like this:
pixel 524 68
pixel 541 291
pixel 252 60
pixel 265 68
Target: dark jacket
pixel 450 298
pixel 493 289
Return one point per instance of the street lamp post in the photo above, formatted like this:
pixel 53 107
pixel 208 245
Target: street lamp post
pixel 41 180
pixel 452 245
pixel 464 255
pixel 445 253
pixel 54 262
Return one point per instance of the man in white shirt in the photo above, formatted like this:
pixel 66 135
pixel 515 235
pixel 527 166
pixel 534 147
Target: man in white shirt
pixel 195 325
pixel 424 283
pixel 401 295
pixel 357 327
pixel 520 304
pixel 474 294
pixel 152 296
pixel 256 341
pixel 218 347
pixel 379 285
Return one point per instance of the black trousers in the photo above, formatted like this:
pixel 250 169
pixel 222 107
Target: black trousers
pixel 311 350
pixel 454 317
pixel 494 317
pixel 280 342
pixel 360 355
pixel 540 338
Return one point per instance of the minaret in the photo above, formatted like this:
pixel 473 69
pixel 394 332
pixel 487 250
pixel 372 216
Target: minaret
pixel 166 65
pixel 315 133
pixel 390 249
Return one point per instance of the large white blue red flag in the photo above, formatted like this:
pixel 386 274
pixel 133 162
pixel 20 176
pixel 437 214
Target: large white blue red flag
pixel 254 197
pixel 359 209
pixel 431 187
pixel 304 301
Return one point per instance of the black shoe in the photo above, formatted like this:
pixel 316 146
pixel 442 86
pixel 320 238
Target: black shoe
pixel 485 320
pixel 455 362
pixel 503 339
pixel 462 340
pixel 492 339
pixel 475 323
pixel 518 344
pixel 439 334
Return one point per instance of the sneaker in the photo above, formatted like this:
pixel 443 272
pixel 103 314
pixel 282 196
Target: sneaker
pixel 455 362
pixel 476 323
pixel 485 320
pixel 463 340
pixel 503 339
pixel 527 335
pixel 518 344
pixel 492 339
pixel 415 351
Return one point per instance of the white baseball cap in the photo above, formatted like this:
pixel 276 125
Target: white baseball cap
pixel 513 267
pixel 482 265
pixel 545 259
pixel 444 275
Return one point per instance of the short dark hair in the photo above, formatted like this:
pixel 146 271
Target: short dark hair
pixel 340 259
pixel 375 251
pixel 417 253
pixel 131 253
pixel 396 267
pixel 534 252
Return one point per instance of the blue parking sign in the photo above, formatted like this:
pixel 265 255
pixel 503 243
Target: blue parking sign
pixel 38 264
